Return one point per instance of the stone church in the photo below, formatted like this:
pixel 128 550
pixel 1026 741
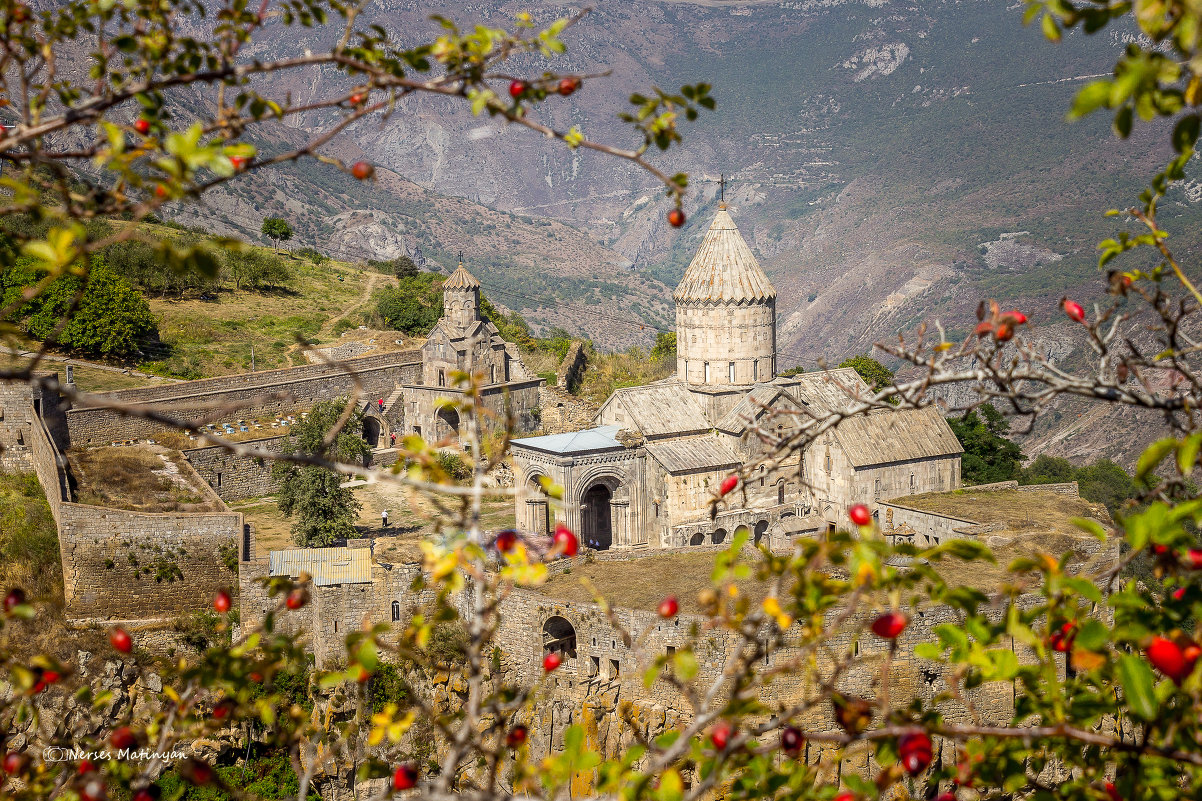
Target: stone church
pixel 644 475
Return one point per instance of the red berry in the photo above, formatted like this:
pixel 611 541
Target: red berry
pixel 15 763
pixel 984 328
pixel 946 796
pixel 565 541
pixel 889 625
pixel 296 599
pixel 728 484
pixel 720 735
pixel 1061 640
pixel 1179 593
pixel 86 766
pixel 150 793
pixel 257 678
pixel 197 772
pixel 15 597
pixel 223 709
pixel 123 737
pixel 791 740
pixel 668 607
pixel 1160 550
pixel 1073 310
pixel 517 89
pixel 119 638
pixel 238 161
pixel 1191 653
pixel 1167 657
pixel 914 748
pixel 142 126
pixel 676 218
pixel 1016 317
pixel 1004 333
pixel 50 676
pixel 362 170
pixel 404 777
pixel 551 662
pixel 160 191
pixel 845 796
pixel 568 85
pixel 221 601
pixel 860 515
pixel 92 790
pixel 1193 558
pixel 356 98
pixel 506 540
pixel 1113 792
pixel 516 736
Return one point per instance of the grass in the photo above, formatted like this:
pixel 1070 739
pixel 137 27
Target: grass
pixel 211 337
pixel 1021 512
pixel 29 556
pixel 91 379
pixel 136 478
pixel 609 371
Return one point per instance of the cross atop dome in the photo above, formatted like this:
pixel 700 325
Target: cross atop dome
pixel 724 268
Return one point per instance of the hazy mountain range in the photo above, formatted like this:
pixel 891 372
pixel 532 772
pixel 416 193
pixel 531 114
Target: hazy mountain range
pixel 890 162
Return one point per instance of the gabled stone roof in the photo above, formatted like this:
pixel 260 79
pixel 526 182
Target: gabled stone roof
pixel 461 279
pixel 724 268
pixel 763 397
pixel 693 454
pixel 658 410
pixel 896 435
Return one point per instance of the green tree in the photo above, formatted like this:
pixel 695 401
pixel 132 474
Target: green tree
pixel 988 455
pixel 665 347
pixel 277 230
pixel 404 267
pixel 323 510
pixel 875 374
pixel 413 305
pixel 111 319
pixel 255 269
pixel 1048 470
pixel 1102 481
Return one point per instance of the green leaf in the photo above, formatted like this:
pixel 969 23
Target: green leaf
pixel 1153 456
pixel 1089 99
pixel 1185 133
pixel 1092 635
pixel 1138 686
pixel 1089 525
pixel 1187 453
pixel 671 787
pixel 1050 29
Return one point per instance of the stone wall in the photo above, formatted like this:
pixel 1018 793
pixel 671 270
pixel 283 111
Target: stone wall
pixel 233 476
pixel 120 565
pixel 571 369
pixel 906 524
pixel 247 395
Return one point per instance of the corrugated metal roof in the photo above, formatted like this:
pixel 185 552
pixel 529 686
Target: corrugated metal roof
pixel 896 436
pixel 692 453
pixel 461 279
pixel 660 409
pixel 591 439
pixel 327 565
pixel 724 268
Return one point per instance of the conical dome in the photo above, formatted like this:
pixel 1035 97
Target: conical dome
pixel 724 269
pixel 462 279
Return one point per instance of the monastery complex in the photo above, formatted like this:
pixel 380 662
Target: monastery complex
pixel 645 475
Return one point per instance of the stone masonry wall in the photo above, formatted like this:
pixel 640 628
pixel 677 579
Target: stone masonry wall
pixel 248 395
pixel 572 366
pixel 120 565
pixel 918 526
pixel 233 476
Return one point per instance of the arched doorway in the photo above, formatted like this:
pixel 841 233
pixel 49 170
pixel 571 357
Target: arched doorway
pixel 698 538
pixel 760 529
pixel 538 510
pixel 559 637
pixel 596 527
pixel 371 431
pixel 744 531
pixel 719 536
pixel 446 425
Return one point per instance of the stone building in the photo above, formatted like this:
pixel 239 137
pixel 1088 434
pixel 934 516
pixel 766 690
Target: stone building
pixel 645 475
pixel 463 342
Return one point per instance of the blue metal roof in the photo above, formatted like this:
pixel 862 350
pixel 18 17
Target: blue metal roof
pixel 591 439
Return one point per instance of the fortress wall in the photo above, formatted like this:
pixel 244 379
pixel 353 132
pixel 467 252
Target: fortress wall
pixel 250 395
pixel 16 416
pixel 923 528
pixel 232 476
pixel 128 565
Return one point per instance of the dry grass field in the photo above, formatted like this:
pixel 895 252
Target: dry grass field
pixel 139 478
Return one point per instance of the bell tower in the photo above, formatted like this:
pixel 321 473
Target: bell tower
pixel 725 312
pixel 461 298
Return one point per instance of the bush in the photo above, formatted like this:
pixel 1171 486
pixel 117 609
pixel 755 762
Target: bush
pixel 413 306
pixel 454 465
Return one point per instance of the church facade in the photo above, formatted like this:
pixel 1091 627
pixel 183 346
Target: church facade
pixel 645 475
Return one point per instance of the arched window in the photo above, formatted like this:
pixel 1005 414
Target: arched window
pixel 780 491
pixel 396 611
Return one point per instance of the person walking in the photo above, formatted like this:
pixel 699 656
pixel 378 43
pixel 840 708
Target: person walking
pixel 381 402
pixel 384 518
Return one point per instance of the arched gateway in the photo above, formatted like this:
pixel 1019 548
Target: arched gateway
pixel 596 521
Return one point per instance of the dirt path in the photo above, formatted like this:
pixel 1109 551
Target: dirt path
pixel 327 328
